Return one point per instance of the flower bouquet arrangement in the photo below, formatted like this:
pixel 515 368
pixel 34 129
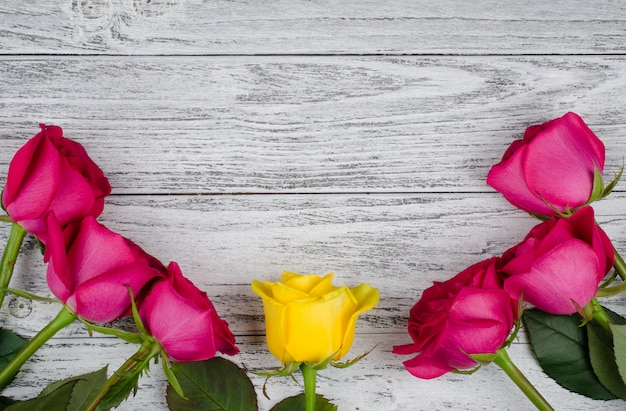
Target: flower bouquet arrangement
pixel 552 282
pixel 55 192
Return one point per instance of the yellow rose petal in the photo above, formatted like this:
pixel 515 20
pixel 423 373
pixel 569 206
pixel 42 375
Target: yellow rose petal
pixel 314 329
pixel 261 289
pixel 323 287
pixel 367 297
pixel 304 283
pixel 284 293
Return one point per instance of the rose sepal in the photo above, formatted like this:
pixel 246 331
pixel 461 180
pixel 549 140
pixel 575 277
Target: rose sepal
pixel 597 191
pixel 286 371
pixel 31 296
pixel 353 361
pixel 609 188
pixel 130 337
pixel 483 359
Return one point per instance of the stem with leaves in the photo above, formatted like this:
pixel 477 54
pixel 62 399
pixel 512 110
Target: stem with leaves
pixel 64 318
pixel 126 375
pixel 503 361
pixel 310 380
pixel 9 257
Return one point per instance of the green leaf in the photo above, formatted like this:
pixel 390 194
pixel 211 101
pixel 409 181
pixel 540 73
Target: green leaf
pixel 10 345
pixel 5 402
pixel 73 393
pixel 619 341
pixel 560 346
pixel 603 360
pixel 87 386
pixel 56 400
pixel 215 384
pixel 121 389
pixel 298 403
pixel 615 317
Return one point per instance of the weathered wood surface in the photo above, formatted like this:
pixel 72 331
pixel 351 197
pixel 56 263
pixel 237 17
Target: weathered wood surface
pixel 378 382
pixel 305 124
pixel 312 27
pixel 398 243
pixel 243 138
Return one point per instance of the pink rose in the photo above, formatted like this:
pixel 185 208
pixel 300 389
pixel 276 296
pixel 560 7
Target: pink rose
pixel 560 263
pixel 91 267
pixel 467 314
pixel 53 173
pixel 184 321
pixel 554 163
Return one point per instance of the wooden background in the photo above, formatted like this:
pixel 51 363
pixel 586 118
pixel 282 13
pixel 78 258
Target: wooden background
pixel 244 138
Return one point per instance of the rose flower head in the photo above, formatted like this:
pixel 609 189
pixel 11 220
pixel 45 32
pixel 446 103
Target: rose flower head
pixel 308 320
pixel 183 319
pixel 559 265
pixel 53 173
pixel 90 269
pixel 467 314
pixel 552 168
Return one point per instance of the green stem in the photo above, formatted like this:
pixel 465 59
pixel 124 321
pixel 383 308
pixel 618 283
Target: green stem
pixel 64 318
pixel 6 219
pixel 601 316
pixel 619 265
pixel 131 367
pixel 503 361
pixel 9 257
pixel 310 377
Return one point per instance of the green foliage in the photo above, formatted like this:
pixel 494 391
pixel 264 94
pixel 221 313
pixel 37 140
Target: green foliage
pixel 560 345
pixel 215 384
pixel 10 345
pixel 5 402
pixel 72 394
pixel 298 403
pixel 603 360
pixel 619 341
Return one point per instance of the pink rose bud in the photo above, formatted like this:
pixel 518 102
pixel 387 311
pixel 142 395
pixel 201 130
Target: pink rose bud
pixel 91 267
pixel 53 173
pixel 184 321
pixel 560 263
pixel 467 314
pixel 553 166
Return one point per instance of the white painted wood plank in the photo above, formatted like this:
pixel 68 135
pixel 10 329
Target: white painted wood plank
pixel 378 382
pixel 305 124
pixel 305 27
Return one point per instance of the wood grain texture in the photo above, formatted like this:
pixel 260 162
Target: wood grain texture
pixel 378 382
pixel 312 27
pixel 243 138
pixel 305 124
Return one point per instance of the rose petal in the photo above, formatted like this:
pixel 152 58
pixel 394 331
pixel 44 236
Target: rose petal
pixel 568 273
pixel 426 367
pixel 559 164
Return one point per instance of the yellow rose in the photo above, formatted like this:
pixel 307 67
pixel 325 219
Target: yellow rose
pixel 307 319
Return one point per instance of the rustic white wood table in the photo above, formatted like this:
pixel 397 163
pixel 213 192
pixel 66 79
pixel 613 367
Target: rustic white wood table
pixel 244 138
